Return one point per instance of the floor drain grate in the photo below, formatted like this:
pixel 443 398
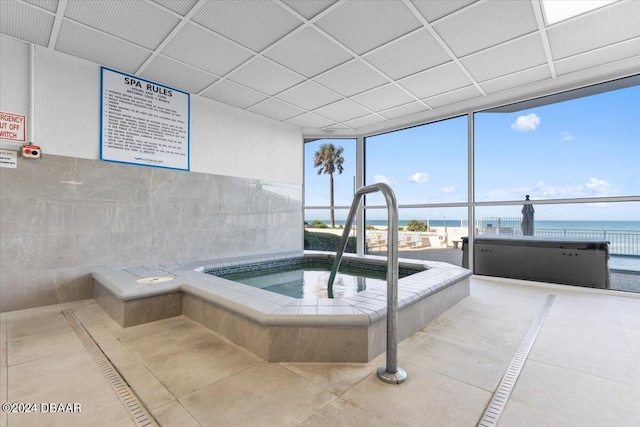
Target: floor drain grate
pixel 139 414
pixel 501 395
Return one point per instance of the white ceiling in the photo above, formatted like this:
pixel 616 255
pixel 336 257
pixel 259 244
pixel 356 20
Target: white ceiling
pixel 336 66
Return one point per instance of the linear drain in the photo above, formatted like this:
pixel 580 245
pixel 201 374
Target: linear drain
pixel 138 413
pixel 501 395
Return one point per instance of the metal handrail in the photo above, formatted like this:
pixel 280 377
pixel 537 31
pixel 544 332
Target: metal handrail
pixel 391 373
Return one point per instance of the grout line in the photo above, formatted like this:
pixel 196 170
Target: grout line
pixel 134 407
pixel 501 395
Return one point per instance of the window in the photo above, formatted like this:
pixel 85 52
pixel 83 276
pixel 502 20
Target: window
pixel 424 164
pixel 317 187
pixel 319 234
pixel 424 233
pixel 576 154
pixel 588 147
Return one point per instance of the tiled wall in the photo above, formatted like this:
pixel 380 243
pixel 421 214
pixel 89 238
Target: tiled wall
pixel 62 218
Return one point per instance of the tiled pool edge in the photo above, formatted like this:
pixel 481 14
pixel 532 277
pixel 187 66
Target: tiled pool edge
pixel 277 327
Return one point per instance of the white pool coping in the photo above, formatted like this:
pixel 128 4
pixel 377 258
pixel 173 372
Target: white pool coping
pixel 270 309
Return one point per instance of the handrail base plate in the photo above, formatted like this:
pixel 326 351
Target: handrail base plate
pixel 397 377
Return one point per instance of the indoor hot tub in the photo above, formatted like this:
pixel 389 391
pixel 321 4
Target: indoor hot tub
pixel 277 327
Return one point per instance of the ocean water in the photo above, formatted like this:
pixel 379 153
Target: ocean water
pixel 627 226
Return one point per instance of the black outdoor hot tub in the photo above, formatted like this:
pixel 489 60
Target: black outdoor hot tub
pixel 567 260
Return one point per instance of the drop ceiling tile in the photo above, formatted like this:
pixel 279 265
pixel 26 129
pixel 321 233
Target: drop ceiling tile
pixel 435 81
pixel 139 22
pixel 606 55
pixel 202 49
pixel 383 98
pixel 521 78
pixel 453 97
pixel 262 22
pixel 616 23
pixel 276 109
pixel 371 119
pixel 80 41
pixel 308 53
pixel 506 58
pixel 50 5
pixel 233 94
pixel 433 10
pixel 265 76
pixel 410 55
pixel 342 111
pixel 181 7
pixel 351 78
pixel 486 25
pixel 171 73
pixel 404 110
pixel 310 120
pixel 354 23
pixel 309 8
pixel 25 23
pixel 309 96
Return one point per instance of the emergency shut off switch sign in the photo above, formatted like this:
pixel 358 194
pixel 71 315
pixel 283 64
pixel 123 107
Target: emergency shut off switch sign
pixel 13 127
pixel 143 122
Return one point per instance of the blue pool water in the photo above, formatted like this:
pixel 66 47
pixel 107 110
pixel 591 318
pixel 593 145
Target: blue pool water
pixel 309 282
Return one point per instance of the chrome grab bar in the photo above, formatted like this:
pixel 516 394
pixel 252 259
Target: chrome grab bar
pixel 391 373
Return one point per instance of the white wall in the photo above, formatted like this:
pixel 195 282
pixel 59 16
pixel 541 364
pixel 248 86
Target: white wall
pixel 14 76
pixel 67 105
pixel 224 140
pixel 228 141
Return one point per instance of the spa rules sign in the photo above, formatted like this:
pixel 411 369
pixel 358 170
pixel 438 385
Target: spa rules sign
pixel 143 122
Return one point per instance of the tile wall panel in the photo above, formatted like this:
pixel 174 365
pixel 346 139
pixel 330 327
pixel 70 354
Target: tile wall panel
pixel 62 218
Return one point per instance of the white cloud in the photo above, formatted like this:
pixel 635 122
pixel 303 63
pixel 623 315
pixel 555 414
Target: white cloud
pixel 526 123
pixel 567 136
pixel 594 187
pixel 382 178
pixel 597 186
pixel 419 177
pixel 447 190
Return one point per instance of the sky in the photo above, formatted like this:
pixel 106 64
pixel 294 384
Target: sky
pixel 585 147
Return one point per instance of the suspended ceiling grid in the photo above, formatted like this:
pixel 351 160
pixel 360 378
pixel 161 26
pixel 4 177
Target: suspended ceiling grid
pixel 330 66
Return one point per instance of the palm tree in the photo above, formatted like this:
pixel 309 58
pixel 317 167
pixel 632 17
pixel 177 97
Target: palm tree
pixel 328 159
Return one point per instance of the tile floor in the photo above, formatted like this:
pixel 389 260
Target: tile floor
pixel 583 370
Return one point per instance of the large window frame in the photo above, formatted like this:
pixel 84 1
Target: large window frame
pixel 471 204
